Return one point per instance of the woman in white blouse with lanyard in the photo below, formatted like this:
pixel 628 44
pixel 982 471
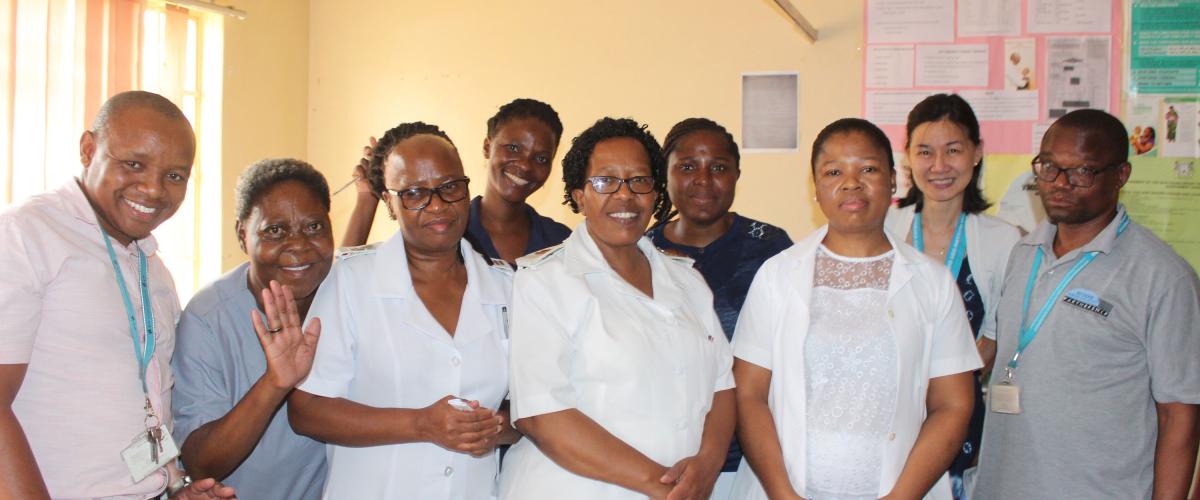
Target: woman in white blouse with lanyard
pixel 942 216
pixel 412 359
pixel 853 353
pixel 621 375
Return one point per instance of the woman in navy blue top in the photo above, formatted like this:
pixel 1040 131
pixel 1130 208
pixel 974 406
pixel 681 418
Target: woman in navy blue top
pixel 702 174
pixel 521 142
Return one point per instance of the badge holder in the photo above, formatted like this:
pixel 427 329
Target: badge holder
pixel 150 450
pixel 1006 396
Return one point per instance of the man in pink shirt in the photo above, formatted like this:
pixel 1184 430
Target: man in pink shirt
pixel 87 317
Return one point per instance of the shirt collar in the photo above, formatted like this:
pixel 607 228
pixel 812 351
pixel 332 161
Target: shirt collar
pixel 583 256
pixel 75 204
pixel 393 279
pixel 905 254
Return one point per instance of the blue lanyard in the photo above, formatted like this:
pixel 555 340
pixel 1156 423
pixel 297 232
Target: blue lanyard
pixel 958 244
pixel 1030 330
pixel 143 352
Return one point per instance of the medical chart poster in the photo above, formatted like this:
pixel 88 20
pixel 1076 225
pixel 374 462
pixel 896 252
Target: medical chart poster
pixel 1164 53
pixel 996 59
pixel 1163 194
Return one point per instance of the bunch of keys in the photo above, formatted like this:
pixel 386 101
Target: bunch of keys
pixel 153 432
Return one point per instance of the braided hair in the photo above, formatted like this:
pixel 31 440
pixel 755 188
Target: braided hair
pixel 575 162
pixel 687 126
pixel 526 108
pixel 383 147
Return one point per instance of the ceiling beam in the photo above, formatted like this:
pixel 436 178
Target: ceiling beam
pixel 799 19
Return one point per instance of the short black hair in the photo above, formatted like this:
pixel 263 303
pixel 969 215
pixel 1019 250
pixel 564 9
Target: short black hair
pixel 849 125
pixel 262 175
pixel 956 109
pixel 689 125
pixel 575 162
pixel 388 141
pixel 526 108
pixel 1113 135
pixel 135 99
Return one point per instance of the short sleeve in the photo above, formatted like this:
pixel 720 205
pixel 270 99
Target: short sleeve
pixel 540 352
pixel 754 337
pixel 21 292
pixel 1008 241
pixel 1173 342
pixel 334 364
pixel 953 349
pixel 201 394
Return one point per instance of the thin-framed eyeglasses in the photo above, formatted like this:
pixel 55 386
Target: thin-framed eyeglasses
pixel 607 184
pixel 416 198
pixel 1082 176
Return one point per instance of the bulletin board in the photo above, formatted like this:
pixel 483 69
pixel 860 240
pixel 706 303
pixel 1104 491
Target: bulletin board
pixel 1023 63
pixel 1020 63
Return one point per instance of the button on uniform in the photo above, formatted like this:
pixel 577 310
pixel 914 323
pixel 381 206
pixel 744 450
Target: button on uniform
pixel 448 472
pixel 455 361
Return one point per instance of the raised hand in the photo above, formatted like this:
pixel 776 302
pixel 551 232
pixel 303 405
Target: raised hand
pixel 289 349
pixel 361 183
pixel 472 432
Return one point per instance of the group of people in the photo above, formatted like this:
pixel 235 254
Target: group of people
pixel 617 359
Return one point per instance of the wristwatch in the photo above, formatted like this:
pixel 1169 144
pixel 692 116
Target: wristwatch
pixel 179 484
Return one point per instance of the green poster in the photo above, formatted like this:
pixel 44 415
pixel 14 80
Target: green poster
pixel 1165 53
pixel 1164 195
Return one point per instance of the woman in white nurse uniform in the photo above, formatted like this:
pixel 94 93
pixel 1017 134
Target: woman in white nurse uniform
pixel 409 326
pixel 854 356
pixel 620 373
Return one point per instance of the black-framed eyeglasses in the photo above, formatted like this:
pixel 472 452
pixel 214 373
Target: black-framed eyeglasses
pixel 1082 176
pixel 416 198
pixel 607 184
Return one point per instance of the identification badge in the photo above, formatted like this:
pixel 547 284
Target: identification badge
pixel 149 451
pixel 1006 398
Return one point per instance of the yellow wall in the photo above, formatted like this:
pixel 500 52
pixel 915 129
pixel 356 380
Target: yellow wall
pixel 375 63
pixel 265 97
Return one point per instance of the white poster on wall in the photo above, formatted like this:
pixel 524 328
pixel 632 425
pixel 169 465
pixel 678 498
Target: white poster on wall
pixel 890 66
pixel 958 65
pixel 892 107
pixel 1077 73
pixel 909 21
pixel 1002 105
pixel 989 18
pixel 1070 16
pixel 1020 65
pixel 770 111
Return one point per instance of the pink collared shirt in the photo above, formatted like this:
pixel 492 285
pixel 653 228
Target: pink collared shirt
pixel 61 312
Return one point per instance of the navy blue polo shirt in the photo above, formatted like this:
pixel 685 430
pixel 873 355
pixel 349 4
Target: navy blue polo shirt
pixel 543 232
pixel 728 265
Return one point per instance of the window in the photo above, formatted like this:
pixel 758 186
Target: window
pixel 60 59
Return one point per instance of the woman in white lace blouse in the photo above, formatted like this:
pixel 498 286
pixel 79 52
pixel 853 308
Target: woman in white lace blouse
pixel 853 351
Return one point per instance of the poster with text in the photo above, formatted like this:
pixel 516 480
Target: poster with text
pixel 1164 53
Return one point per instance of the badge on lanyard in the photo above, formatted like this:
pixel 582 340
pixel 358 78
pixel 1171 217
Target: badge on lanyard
pixel 152 449
pixel 1006 398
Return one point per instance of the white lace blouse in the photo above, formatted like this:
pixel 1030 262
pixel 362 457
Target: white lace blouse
pixel 850 360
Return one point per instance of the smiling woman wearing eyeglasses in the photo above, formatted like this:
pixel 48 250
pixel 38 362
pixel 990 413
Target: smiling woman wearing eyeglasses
pixel 621 376
pixel 412 363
